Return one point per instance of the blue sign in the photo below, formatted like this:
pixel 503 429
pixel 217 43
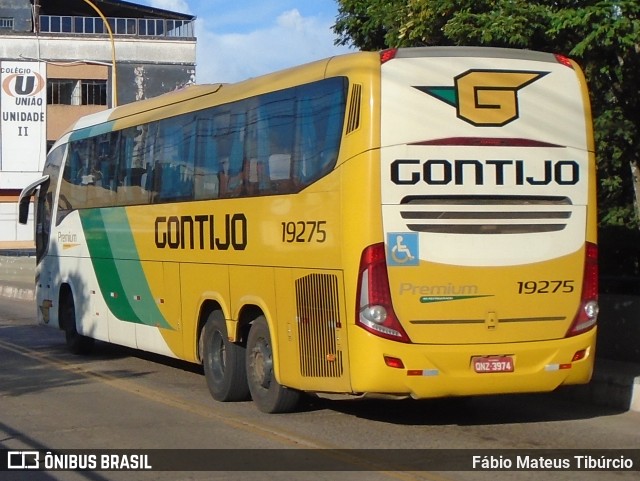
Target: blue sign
pixel 403 249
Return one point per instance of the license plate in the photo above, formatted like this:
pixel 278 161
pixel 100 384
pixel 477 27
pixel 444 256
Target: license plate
pixel 492 364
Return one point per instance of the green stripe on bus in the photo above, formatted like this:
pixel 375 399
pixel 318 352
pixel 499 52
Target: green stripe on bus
pixel 431 299
pixel 118 269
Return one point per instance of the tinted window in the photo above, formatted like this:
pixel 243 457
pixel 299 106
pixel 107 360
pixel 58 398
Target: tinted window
pixel 275 143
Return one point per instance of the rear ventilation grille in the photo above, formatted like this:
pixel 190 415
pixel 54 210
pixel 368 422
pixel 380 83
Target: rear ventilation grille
pixel 486 214
pixel 353 122
pixel 318 318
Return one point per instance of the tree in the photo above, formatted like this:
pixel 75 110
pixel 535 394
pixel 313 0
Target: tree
pixel 603 36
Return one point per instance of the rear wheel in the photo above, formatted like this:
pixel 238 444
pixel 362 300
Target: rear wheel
pixel 267 393
pixel 223 361
pixel 76 343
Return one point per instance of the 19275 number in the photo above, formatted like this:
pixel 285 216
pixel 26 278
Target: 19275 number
pixel 546 287
pixel 304 231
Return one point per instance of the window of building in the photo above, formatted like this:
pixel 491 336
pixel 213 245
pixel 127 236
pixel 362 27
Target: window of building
pixel 94 92
pixel 60 91
pixel 88 25
pixel 119 26
pixel 76 92
pixel 6 23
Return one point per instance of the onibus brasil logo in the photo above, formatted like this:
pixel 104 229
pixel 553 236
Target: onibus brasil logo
pixel 485 98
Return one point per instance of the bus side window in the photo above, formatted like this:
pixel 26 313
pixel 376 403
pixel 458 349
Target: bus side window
pixel 73 194
pixel 151 182
pixel 74 164
pixel 306 146
pixel 173 157
pixel 231 178
pixel 279 122
pixel 257 147
pixel 100 156
pixel 320 115
pixel 108 160
pixel 333 121
pixel 131 189
pixel 207 183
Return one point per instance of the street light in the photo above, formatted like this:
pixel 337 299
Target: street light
pixel 114 90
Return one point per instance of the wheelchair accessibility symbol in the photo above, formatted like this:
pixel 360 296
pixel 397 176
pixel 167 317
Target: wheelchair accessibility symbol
pixel 402 249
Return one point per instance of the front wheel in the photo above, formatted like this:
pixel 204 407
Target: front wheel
pixel 223 362
pixel 76 343
pixel 267 393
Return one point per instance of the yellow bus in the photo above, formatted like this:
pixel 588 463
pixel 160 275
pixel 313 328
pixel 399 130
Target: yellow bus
pixel 407 223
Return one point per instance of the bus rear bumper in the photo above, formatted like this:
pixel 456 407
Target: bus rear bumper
pixel 429 371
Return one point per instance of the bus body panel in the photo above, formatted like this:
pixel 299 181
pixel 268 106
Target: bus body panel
pixel 432 97
pixel 486 190
pixel 312 334
pixel 111 294
pixel 447 370
pixel 444 304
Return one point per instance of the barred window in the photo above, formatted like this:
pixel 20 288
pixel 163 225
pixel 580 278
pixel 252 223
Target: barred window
pixel 76 92
pixel 60 91
pixel 94 92
pixel 6 23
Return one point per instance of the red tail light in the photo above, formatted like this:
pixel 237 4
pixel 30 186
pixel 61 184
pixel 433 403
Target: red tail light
pixel 374 310
pixel 388 54
pixel 587 314
pixel 564 60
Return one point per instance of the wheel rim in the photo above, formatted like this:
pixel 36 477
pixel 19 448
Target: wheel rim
pixel 217 363
pixel 262 364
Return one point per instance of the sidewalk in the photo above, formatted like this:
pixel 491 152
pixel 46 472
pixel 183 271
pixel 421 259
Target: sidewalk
pixel 17 274
pixel 614 384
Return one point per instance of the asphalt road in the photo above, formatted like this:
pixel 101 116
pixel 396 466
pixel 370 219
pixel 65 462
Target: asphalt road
pixel 122 399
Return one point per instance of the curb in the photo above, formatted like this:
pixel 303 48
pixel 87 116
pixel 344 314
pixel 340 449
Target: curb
pixel 12 292
pixel 616 384
pixel 27 252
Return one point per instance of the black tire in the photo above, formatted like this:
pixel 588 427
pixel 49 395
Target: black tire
pixel 267 393
pixel 76 343
pixel 223 362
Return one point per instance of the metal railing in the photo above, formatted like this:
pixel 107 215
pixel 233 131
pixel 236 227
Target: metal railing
pixel 136 27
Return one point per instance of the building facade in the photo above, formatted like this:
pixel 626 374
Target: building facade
pixel 57 64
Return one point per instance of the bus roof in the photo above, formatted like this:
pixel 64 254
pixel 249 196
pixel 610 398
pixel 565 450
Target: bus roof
pixel 249 87
pixel 101 122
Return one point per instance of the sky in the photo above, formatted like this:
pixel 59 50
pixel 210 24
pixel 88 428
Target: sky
pixel 239 39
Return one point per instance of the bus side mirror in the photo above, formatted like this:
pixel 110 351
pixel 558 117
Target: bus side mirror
pixel 23 210
pixel 25 198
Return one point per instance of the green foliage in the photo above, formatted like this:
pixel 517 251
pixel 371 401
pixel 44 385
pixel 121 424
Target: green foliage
pixel 602 35
pixel 362 23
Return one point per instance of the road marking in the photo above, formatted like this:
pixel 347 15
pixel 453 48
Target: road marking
pixel 209 412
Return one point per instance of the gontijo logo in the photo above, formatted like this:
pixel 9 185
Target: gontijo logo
pixel 485 98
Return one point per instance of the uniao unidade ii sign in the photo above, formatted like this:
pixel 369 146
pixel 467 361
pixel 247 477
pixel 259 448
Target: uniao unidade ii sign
pixel 23 107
